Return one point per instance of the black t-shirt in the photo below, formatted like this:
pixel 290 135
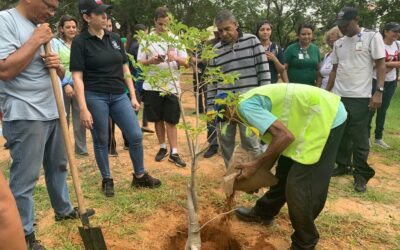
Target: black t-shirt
pixel 100 61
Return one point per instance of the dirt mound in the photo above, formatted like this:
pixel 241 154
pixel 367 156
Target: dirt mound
pixel 212 237
pixel 215 236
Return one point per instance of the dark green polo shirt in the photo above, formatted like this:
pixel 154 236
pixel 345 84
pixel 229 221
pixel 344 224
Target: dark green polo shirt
pixel 302 65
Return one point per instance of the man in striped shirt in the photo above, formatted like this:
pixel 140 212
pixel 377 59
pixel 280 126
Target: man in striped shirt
pixel 240 53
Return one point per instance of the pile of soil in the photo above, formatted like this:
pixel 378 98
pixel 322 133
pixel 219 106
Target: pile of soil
pixel 213 237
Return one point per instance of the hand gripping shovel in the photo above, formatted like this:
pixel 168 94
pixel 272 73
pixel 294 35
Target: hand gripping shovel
pixel 92 236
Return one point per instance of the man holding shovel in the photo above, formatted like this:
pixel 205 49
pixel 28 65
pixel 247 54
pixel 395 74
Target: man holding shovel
pixel 302 126
pixel 31 121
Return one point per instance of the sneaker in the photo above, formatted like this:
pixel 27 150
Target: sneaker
pixel 32 243
pixel 161 154
pixel 107 187
pixel 145 181
pixel 126 147
pixel 175 158
pixel 360 184
pixel 381 143
pixel 211 151
pixel 73 215
pixel 249 215
pixel 342 170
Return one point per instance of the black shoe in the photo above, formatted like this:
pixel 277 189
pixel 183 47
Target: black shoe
pixel 175 158
pixel 107 186
pixel 32 243
pixel 211 152
pixel 73 215
pixel 360 184
pixel 342 170
pixel 145 181
pixel 161 154
pixel 249 215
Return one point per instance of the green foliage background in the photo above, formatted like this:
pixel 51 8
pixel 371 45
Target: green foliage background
pixel 285 15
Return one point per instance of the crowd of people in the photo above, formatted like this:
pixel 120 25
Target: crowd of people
pixel 312 114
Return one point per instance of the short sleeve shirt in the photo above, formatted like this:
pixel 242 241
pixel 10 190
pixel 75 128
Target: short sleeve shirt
pixel 29 95
pixel 355 57
pixel 100 61
pixel 161 49
pixel 302 64
pixel 391 55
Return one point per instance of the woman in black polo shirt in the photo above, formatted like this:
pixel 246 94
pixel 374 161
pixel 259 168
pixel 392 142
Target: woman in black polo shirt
pixel 98 66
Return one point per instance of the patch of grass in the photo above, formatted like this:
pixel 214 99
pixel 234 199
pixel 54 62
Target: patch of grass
pixel 343 187
pixel 355 230
pixel 391 135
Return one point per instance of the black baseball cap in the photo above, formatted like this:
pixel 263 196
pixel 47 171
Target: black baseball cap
pixel 345 15
pixel 393 26
pixel 93 6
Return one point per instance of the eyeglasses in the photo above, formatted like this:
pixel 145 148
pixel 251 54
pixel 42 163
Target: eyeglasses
pixel 51 8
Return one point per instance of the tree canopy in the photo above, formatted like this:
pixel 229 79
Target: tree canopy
pixel 285 15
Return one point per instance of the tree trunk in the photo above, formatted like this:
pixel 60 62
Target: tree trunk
pixel 194 241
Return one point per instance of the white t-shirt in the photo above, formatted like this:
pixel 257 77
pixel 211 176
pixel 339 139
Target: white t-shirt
pixel 391 55
pixel 355 57
pixel 325 69
pixel 161 49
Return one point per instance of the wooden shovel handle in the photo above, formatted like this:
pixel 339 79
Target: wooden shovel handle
pixel 64 127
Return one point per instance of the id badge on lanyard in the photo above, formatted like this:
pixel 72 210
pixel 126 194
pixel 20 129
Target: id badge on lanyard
pixel 359 43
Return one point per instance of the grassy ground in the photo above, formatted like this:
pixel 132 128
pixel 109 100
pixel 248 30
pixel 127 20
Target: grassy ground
pixel 349 221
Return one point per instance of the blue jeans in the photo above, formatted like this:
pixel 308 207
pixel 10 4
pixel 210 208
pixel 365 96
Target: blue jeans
pixel 33 143
pixel 390 88
pixel 118 106
pixel 227 141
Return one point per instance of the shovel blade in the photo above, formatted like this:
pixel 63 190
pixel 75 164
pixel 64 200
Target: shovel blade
pixel 93 238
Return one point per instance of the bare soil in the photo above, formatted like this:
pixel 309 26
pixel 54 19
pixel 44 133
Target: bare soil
pixel 166 228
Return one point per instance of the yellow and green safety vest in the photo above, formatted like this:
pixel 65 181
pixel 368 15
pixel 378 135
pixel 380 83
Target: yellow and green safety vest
pixel 308 112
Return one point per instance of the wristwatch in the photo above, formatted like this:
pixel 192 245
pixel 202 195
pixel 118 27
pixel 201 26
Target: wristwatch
pixel 381 89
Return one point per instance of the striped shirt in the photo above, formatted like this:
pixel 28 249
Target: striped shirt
pixel 245 57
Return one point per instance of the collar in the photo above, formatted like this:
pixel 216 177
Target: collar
pixel 87 35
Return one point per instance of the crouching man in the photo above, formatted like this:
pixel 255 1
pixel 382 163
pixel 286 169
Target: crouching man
pixel 302 126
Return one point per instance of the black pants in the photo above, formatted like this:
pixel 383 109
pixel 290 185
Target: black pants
pixel 305 189
pixel 390 89
pixel 354 146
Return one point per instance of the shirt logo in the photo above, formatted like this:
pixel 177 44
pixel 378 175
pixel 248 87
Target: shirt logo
pixel 115 45
pixel 98 1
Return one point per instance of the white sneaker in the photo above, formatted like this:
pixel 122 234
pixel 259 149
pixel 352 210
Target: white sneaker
pixel 381 144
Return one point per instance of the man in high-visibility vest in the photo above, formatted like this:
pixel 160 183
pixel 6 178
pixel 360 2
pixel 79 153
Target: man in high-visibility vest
pixel 302 126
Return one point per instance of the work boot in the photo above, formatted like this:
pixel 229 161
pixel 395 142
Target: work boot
pixel 342 170
pixel 175 158
pixel 211 151
pixel 74 214
pixel 32 243
pixel 161 154
pixel 107 186
pixel 249 215
pixel 145 181
pixel 360 184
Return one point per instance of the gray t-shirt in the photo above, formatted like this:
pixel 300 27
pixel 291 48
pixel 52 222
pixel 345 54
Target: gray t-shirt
pixel 29 95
